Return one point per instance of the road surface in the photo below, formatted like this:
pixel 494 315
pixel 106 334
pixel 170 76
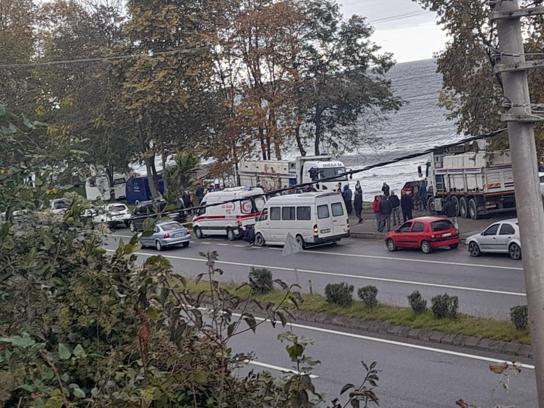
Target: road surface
pixel 486 286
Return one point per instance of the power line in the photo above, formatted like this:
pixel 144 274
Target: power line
pixel 103 59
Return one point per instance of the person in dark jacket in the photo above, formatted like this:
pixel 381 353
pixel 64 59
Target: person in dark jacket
pixel 395 204
pixel 407 205
pixel 450 210
pixel 385 189
pixel 199 193
pixel 358 201
pixel 376 210
pixel 385 214
pixel 347 194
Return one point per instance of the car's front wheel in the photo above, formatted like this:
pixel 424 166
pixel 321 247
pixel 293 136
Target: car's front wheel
pixel 514 250
pixel 391 247
pixel 198 233
pixel 259 239
pixel 132 226
pixel 474 249
pixel 454 246
pixel 426 247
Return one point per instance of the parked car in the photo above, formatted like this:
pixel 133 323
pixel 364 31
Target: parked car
pixel 144 211
pixel 166 234
pixel 114 215
pixel 500 237
pixel 311 218
pixel 59 206
pixel 425 233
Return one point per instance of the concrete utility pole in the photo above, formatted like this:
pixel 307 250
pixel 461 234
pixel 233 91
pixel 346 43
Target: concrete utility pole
pixel 513 69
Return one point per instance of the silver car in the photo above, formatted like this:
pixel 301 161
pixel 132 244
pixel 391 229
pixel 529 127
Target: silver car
pixel 499 237
pixel 166 234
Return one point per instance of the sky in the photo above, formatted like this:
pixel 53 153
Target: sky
pixel 401 27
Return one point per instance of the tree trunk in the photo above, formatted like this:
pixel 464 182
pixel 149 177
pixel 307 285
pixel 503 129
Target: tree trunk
pixel 299 141
pixel 151 179
pixel 109 173
pixel 163 161
pixel 318 130
pixel 236 165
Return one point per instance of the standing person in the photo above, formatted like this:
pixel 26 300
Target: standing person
pixel 450 210
pixel 385 189
pixel 199 193
pixel 406 204
pixel 376 210
pixel 347 194
pixel 339 188
pixel 395 212
pixel 385 214
pixel 358 201
pixel 423 195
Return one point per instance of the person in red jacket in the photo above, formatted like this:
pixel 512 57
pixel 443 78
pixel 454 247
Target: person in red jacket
pixel 376 210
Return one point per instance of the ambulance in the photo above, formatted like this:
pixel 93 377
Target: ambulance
pixel 228 212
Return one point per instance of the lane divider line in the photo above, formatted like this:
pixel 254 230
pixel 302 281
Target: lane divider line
pixel 344 275
pixel 399 343
pixel 385 258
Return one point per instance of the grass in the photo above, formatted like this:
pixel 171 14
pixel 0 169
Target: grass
pixel 401 316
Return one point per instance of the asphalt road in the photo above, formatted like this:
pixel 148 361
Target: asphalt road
pixel 486 286
pixel 409 378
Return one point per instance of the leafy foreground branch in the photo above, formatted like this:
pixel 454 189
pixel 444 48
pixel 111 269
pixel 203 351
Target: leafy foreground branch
pixel 81 328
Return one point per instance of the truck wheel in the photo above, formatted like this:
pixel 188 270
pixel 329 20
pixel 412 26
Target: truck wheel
pixel 230 234
pixel 472 209
pixel 463 210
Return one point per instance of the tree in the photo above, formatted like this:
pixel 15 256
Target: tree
pixel 161 87
pixel 181 176
pixel 471 91
pixel 343 83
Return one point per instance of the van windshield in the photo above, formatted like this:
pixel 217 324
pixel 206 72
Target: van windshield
pixel 333 172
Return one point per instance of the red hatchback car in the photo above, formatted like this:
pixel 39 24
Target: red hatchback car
pixel 425 233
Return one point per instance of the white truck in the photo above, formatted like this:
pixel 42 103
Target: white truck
pixel 278 174
pixel 479 181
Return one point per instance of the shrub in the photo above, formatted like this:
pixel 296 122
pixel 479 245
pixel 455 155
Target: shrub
pixel 368 295
pixel 519 317
pixel 260 280
pixel 339 293
pixel 417 303
pixel 445 306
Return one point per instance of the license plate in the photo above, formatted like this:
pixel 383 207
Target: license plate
pixel 447 235
pixel 325 231
pixel 179 234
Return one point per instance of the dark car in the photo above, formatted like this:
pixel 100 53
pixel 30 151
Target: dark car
pixel 144 211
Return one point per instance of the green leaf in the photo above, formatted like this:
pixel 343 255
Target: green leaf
pixel 78 392
pixel 346 387
pixel 64 352
pixel 295 351
pixel 24 341
pixel 79 351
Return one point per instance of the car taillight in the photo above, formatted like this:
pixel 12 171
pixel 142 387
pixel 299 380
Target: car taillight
pixel 316 230
pixel 167 235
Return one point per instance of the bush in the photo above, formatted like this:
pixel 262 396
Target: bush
pixel 368 295
pixel 519 316
pixel 260 280
pixel 417 303
pixel 445 306
pixel 339 293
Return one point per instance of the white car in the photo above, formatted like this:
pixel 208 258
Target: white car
pixel 59 206
pixel 499 237
pixel 113 215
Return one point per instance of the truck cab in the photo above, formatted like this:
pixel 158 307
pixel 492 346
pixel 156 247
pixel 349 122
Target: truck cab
pixel 316 168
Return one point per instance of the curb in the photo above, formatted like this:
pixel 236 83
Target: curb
pixel 426 335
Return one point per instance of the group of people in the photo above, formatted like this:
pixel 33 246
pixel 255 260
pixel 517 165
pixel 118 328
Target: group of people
pixel 387 208
pixel 353 202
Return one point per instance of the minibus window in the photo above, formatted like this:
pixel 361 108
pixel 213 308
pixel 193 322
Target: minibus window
pixel 275 213
pixel 322 211
pixel 288 213
pixel 337 210
pixel 304 213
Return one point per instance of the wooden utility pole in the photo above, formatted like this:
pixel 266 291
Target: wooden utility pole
pixel 513 70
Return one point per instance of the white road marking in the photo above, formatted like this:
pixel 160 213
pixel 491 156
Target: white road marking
pixel 345 275
pixel 277 368
pixel 222 244
pixel 387 258
pixel 400 344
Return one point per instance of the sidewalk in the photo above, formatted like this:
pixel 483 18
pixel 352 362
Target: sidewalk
pixel 367 229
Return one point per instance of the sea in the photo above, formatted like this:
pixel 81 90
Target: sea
pixel 419 125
